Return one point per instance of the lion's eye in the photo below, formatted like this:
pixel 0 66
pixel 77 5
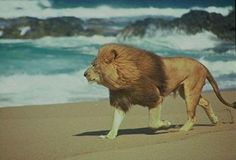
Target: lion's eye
pixel 93 64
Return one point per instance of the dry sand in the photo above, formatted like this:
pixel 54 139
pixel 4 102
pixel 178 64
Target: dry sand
pixel 70 132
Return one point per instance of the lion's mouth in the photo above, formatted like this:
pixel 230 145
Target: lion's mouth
pixel 92 80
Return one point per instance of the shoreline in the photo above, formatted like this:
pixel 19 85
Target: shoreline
pixel 71 132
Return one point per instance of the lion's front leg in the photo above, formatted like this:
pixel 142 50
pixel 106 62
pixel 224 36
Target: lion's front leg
pixel 118 118
pixel 155 121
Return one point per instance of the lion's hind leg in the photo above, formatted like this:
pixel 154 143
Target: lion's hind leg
pixel 188 125
pixel 190 109
pixel 203 102
pixel 191 103
pixel 191 92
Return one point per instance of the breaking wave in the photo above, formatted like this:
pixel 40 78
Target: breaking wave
pixel 43 9
pixel 160 39
pixel 25 89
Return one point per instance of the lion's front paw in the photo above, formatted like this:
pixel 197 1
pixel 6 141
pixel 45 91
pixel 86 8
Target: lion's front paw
pixel 160 124
pixel 110 135
pixel 166 124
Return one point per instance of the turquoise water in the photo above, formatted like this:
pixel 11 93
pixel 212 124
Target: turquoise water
pixel 25 58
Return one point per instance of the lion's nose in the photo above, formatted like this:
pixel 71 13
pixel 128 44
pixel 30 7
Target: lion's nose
pixel 85 73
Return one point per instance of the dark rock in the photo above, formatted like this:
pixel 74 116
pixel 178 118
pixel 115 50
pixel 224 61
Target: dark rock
pixel 32 28
pixel 193 22
pixel 36 28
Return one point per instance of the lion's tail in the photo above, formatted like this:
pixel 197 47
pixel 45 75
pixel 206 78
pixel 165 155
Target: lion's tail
pixel 217 91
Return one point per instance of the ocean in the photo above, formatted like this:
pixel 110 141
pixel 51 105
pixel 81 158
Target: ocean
pixel 50 70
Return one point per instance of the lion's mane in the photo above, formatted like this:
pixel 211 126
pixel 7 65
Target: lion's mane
pixel 133 76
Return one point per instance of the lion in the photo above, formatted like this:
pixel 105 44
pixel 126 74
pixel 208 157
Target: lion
pixel 135 76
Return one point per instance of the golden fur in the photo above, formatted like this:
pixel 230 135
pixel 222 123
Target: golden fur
pixel 136 76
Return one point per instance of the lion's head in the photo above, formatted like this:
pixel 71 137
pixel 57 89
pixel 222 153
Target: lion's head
pixel 114 67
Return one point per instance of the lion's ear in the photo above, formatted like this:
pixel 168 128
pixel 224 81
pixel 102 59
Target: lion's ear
pixel 111 57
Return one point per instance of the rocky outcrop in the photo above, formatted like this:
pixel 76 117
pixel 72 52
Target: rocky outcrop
pixel 191 23
pixel 28 27
pixel 32 28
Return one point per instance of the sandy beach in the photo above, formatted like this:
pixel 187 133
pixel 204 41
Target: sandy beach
pixel 71 132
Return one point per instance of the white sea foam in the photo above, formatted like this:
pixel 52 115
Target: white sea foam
pixel 152 40
pixel 72 42
pixel 63 42
pixel 43 9
pixel 24 89
pixel 228 84
pixel 24 30
pixel 219 68
pixel 176 39
pixel 14 41
pixel 231 52
pixel 180 40
pixel 85 45
pixel 222 10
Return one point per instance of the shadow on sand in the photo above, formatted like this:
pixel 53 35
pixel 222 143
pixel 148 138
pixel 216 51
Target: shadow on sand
pixel 145 130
